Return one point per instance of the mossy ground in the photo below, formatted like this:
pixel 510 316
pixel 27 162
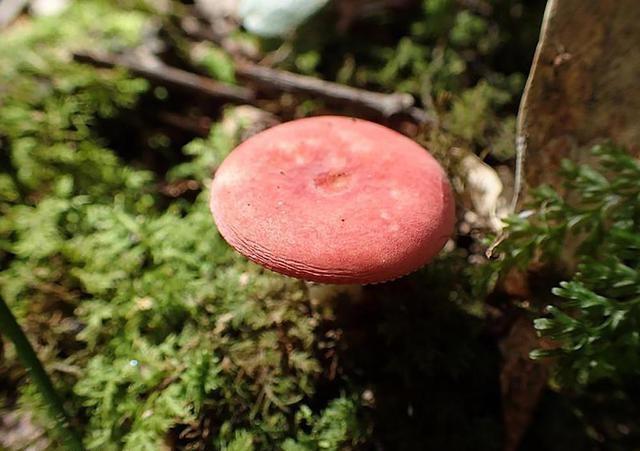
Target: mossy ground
pixel 157 334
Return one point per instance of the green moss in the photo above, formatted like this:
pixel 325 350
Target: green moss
pixel 216 62
pixel 156 333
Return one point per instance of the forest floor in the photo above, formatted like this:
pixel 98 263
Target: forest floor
pixel 113 118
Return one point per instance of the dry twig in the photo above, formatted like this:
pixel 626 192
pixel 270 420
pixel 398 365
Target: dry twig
pixel 153 69
pixel 150 67
pixel 385 104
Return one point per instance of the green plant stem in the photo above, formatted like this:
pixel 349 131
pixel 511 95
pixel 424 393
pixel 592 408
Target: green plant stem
pixel 10 327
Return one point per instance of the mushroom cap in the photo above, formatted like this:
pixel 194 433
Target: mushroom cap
pixel 333 199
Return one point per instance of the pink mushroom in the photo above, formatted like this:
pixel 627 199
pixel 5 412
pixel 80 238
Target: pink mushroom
pixel 334 200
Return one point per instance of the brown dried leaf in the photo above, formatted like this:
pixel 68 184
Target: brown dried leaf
pixel 522 380
pixel 583 84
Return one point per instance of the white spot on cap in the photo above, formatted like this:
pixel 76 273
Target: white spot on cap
pixel 360 147
pixel 336 161
pixel 312 142
pixel 230 176
pixel 354 140
pixel 287 147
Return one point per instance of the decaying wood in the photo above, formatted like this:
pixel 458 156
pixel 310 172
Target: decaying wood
pixel 583 86
pixel 155 70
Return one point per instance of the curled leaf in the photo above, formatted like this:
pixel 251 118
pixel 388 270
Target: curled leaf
pixel 272 18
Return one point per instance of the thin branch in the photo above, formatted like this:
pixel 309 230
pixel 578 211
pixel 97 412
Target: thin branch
pixel 153 69
pixel 385 104
pixel 196 125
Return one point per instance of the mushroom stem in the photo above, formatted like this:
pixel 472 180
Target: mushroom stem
pixel 324 293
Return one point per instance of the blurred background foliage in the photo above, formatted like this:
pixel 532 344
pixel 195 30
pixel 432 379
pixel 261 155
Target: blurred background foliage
pixel 158 335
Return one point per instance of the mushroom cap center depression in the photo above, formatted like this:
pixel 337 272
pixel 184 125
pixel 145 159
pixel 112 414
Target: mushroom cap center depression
pixel 333 199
